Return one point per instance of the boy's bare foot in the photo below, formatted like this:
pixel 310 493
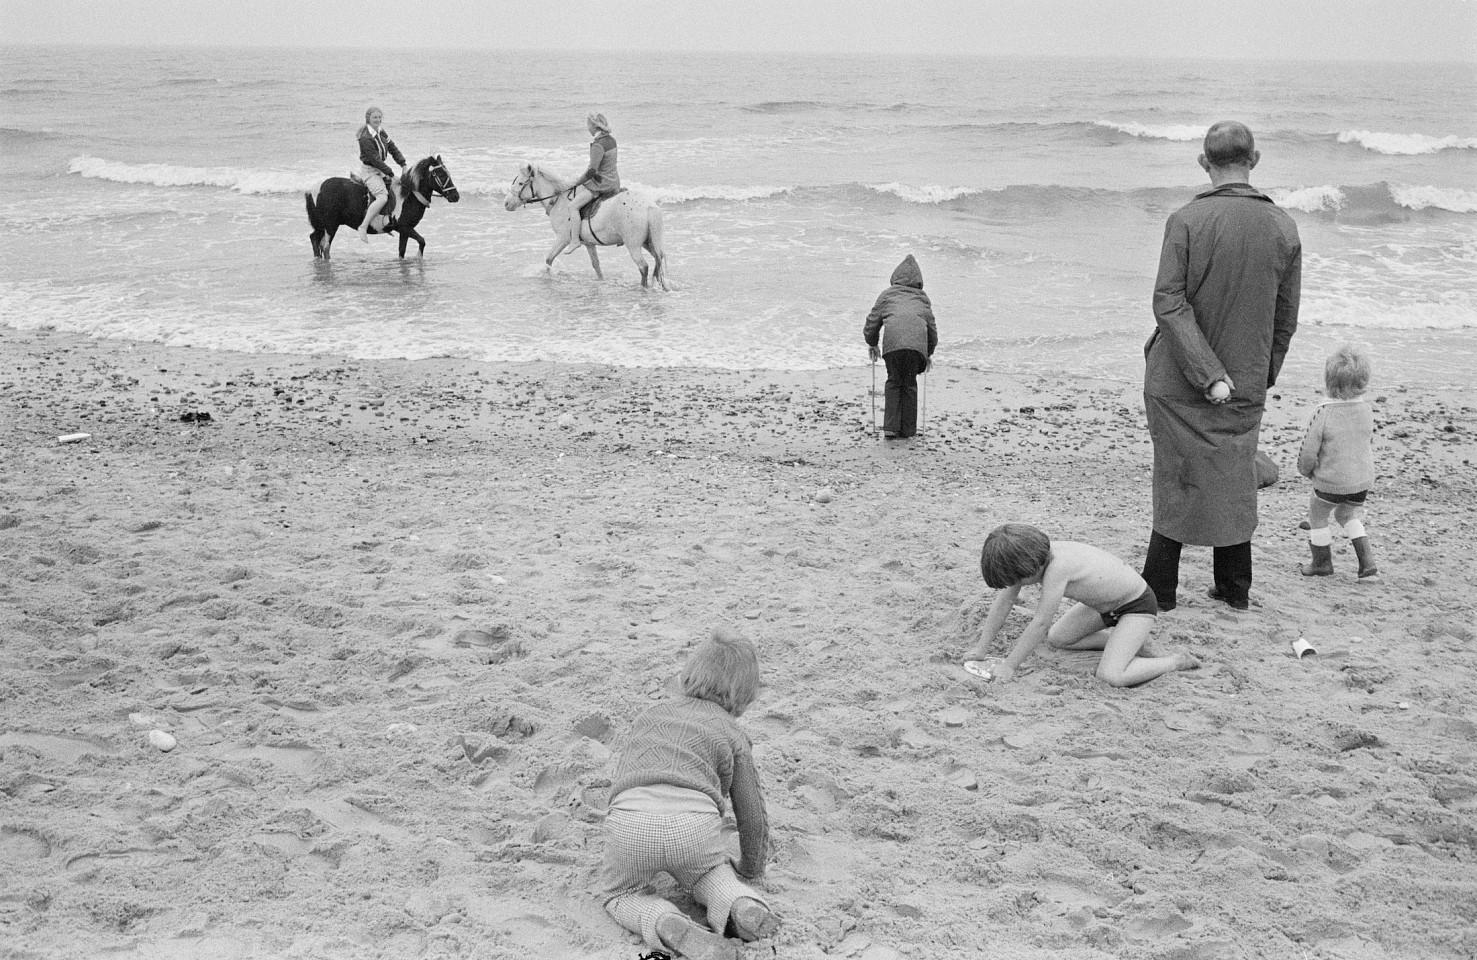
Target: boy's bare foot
pixel 752 919
pixel 974 653
pixel 692 941
pixel 363 236
pixel 1184 661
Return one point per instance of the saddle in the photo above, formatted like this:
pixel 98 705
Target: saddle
pixel 587 212
pixel 386 214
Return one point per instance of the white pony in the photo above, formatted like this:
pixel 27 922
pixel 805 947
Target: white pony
pixel 628 219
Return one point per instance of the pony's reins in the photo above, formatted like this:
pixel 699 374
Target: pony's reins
pixel 553 196
pixel 529 184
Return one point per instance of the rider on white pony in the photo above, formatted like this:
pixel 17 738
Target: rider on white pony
pixel 375 147
pixel 601 180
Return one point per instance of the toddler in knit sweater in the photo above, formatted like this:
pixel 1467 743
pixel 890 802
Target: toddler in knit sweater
pixel 682 759
pixel 1338 456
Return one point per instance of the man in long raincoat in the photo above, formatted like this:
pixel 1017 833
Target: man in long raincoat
pixel 1226 305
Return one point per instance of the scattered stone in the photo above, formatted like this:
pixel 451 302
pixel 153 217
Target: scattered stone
pixel 964 779
pixel 954 717
pixel 162 741
pixel 824 495
pixel 566 421
pixel 598 646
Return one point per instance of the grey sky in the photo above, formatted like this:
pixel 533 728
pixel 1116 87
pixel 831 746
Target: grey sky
pixel 1278 29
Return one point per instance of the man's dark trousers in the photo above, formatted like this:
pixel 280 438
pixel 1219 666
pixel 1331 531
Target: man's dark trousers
pixel 1231 568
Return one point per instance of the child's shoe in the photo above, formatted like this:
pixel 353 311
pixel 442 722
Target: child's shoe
pixel 752 920
pixel 1368 572
pixel 693 941
pixel 1322 565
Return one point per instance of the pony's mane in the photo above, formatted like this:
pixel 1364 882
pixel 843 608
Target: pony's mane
pixel 560 184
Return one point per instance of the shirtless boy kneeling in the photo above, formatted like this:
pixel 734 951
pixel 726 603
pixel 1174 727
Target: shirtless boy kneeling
pixel 1114 613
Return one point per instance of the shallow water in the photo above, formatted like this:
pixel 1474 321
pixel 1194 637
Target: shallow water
pixel 163 201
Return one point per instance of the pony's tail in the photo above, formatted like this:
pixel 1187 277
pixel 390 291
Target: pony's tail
pixel 313 220
pixel 653 245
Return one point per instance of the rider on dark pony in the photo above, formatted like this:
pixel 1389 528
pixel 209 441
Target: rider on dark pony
pixel 601 180
pixel 375 147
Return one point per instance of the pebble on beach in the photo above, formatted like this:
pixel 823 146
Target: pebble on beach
pixel 162 741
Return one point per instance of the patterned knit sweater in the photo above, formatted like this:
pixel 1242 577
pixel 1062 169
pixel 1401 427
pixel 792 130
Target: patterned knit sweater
pixel 1337 452
pixel 696 744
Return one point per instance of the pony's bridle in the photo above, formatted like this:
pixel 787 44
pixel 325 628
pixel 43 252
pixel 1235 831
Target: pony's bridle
pixel 529 185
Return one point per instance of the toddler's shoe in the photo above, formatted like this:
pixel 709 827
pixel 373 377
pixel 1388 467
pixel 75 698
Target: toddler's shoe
pixel 752 920
pixel 693 941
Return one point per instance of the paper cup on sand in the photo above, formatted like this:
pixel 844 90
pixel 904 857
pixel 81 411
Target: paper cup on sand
pixel 984 669
pixel 1302 648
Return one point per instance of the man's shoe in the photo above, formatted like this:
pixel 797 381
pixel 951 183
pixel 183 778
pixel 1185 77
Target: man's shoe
pixel 1214 593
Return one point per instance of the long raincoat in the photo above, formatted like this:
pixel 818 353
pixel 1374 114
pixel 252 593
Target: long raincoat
pixel 1226 303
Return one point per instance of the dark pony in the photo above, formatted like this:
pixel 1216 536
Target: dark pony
pixel 340 201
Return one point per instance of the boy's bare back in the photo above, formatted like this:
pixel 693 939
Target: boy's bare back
pixel 1091 576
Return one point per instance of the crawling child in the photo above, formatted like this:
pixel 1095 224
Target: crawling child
pixel 682 760
pixel 1114 613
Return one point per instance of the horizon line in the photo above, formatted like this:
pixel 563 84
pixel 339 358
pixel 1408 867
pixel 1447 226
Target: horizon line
pixel 709 51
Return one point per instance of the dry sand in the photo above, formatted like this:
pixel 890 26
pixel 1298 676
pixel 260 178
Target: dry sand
pixel 396 615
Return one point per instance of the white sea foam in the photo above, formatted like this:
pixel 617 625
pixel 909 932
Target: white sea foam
pixel 1308 199
pixel 1419 197
pixel 1173 131
pixel 1408 144
pixel 680 194
pixel 170 175
pixel 924 194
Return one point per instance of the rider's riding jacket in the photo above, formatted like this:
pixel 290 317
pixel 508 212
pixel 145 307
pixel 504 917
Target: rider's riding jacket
pixel 374 147
pixel 601 178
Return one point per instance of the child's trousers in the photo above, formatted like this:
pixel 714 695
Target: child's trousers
pixel 689 846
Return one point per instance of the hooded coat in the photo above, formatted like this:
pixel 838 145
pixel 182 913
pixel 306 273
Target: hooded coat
pixel 903 314
pixel 1226 304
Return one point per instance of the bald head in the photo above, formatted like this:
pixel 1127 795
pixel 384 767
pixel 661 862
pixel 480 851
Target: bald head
pixel 1230 144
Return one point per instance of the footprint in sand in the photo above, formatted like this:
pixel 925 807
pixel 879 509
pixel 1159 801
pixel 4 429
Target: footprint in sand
pixel 298 759
pixel 18 845
pixel 54 746
pixel 1068 906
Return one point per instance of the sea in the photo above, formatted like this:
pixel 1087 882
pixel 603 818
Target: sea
pixel 157 194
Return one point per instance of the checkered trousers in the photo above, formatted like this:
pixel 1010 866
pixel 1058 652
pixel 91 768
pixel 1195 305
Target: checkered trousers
pixel 689 846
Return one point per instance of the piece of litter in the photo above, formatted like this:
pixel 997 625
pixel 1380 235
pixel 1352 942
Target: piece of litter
pixel 1302 648
pixel 72 437
pixel 979 668
pixel 1404 705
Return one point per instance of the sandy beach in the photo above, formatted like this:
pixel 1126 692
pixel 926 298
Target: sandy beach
pixel 390 619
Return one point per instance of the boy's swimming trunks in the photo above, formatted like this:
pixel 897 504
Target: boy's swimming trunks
pixel 1145 602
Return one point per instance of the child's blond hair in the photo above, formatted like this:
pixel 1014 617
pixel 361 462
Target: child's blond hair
pixel 1346 374
pixel 723 669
